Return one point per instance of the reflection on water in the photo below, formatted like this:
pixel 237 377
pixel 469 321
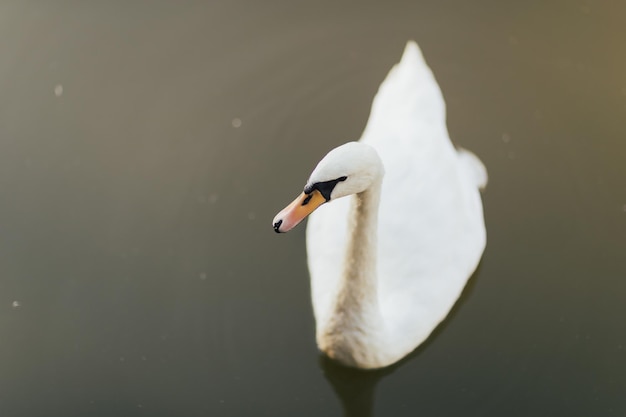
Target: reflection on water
pixel 355 388
pixel 144 145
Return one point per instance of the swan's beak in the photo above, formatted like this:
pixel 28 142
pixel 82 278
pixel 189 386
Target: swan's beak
pixel 295 212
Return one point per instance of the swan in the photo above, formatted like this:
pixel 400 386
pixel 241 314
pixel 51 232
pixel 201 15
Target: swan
pixel 388 263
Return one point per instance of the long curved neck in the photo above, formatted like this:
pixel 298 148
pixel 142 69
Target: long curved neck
pixel 359 279
pixel 357 323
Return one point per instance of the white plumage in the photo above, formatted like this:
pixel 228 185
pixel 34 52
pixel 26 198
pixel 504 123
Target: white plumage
pixel 388 262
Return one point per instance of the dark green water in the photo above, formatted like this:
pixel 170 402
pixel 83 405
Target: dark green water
pixel 146 146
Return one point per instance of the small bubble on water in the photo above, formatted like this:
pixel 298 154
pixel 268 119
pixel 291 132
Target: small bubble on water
pixel 213 198
pixel 506 138
pixel 236 122
pixel 251 215
pixel 58 90
pixel 203 276
pixel 122 359
pixel 624 208
pixel 511 155
pixel 16 304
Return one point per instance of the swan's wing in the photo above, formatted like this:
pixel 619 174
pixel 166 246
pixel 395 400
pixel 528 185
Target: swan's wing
pixel 431 228
pixel 431 236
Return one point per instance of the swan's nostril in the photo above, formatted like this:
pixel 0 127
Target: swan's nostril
pixel 277 226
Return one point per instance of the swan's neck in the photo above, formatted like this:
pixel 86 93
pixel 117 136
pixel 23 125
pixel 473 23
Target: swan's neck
pixel 356 324
pixel 358 288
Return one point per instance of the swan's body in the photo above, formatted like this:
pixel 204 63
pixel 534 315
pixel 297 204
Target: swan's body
pixel 388 263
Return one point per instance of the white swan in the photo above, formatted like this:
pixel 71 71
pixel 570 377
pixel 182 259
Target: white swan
pixel 388 264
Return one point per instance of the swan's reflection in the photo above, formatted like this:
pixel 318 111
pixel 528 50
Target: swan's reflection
pixel 354 387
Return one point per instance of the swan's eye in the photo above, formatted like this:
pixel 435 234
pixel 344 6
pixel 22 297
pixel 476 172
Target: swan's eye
pixel 324 187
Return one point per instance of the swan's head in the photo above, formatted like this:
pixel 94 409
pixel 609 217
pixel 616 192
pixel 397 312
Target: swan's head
pixel 348 169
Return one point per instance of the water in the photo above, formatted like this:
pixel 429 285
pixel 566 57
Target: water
pixel 145 148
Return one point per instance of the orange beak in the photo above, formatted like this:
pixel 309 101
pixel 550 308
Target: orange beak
pixel 295 212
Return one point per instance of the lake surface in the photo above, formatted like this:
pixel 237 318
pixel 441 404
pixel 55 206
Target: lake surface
pixel 146 146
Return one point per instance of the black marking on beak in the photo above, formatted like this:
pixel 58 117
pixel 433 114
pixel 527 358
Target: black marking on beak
pixel 307 199
pixel 325 187
pixel 277 226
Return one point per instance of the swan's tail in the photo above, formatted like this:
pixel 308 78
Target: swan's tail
pixel 473 167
